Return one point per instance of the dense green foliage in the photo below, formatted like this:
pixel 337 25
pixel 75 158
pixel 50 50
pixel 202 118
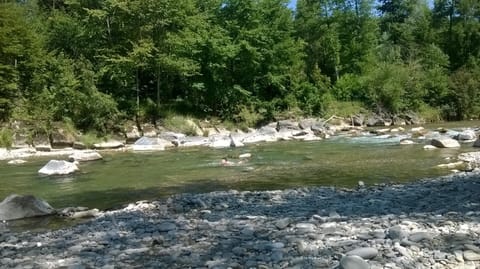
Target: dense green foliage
pixel 96 62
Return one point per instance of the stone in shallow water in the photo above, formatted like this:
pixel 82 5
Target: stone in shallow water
pixel 445 142
pixel 55 167
pixel 18 206
pixel 353 262
pixel 366 253
pixel 85 156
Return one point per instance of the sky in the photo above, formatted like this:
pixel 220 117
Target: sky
pixel 292 4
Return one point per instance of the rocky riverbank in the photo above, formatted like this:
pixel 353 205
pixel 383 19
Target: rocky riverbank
pixel 427 224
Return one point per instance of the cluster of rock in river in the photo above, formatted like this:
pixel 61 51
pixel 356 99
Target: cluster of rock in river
pixel 426 224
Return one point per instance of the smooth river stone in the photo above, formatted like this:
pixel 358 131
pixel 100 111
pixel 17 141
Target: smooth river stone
pixel 366 253
pixel 419 236
pixel 166 227
pixel 353 262
pixel 471 255
pixel 396 232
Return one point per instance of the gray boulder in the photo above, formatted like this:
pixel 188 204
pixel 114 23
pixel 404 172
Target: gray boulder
pixel 132 133
pixel 55 167
pixel 472 158
pixel 358 120
pixel 467 136
pixel 287 124
pixel 220 141
pixel 445 142
pixel 264 134
pixel 149 130
pixel 19 207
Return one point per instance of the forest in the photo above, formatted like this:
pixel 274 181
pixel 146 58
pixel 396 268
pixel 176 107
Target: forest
pixel 96 63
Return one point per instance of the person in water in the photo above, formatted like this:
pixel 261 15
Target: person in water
pixel 226 162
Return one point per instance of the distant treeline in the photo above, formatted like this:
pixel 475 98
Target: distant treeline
pixel 95 62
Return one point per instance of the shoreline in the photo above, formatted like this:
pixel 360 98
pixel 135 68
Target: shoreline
pixel 431 223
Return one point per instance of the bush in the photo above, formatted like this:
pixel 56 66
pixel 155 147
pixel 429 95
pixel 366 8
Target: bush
pixel 90 138
pixel 430 114
pixel 6 138
pixel 247 117
pixel 342 108
pixel 179 123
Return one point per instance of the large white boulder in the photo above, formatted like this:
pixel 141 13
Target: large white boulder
pixel 56 167
pixel 85 156
pixel 445 142
pixel 472 158
pixel 19 207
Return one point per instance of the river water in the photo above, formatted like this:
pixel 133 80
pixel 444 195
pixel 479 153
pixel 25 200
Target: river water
pixel 125 177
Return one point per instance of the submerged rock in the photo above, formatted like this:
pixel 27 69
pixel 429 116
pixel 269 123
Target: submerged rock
pixel 445 142
pixel 23 206
pixel 85 156
pixel 17 161
pixel 56 167
pixel 109 145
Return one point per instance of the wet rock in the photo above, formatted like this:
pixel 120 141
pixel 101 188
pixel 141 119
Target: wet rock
pixel 56 167
pixel 109 145
pixel 85 156
pixel 445 142
pixel 429 147
pixel 23 206
pixel 17 161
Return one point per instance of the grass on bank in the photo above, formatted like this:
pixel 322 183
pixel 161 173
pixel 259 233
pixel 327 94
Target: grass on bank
pixel 6 138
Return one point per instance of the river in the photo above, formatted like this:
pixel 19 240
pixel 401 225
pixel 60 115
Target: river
pixel 125 177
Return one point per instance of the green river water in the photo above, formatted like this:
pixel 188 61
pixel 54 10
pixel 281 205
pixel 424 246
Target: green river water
pixel 125 177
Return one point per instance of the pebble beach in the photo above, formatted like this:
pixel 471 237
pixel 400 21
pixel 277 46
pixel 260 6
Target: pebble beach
pixel 431 223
